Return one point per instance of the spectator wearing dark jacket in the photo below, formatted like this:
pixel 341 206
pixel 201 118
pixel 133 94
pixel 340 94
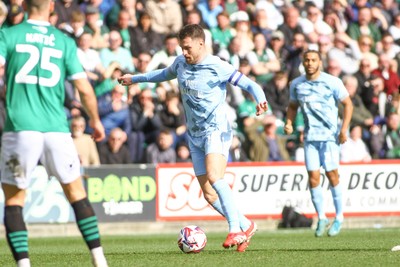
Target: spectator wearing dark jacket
pixel 143 38
pixel 146 124
pixel 277 92
pixel 162 150
pixel 113 110
pixel 114 151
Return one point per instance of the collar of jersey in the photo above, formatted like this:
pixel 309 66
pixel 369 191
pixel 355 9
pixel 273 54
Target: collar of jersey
pixel 38 22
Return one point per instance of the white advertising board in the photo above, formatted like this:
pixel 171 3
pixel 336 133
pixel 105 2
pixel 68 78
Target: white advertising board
pixel 262 190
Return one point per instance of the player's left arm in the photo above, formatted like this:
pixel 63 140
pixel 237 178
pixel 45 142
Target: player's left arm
pixel 347 114
pixel 228 73
pixel 254 89
pixel 76 74
pixel 341 94
pixel 89 102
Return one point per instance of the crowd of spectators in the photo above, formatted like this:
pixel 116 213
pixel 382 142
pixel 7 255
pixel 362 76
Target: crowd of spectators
pixel 359 42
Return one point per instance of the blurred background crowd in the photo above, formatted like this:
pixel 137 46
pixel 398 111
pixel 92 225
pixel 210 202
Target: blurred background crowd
pixel 359 42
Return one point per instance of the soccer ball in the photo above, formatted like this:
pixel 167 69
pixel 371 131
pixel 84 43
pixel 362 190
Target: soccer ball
pixel 192 239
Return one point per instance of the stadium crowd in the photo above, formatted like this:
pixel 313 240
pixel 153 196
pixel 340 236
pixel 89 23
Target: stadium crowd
pixel 359 42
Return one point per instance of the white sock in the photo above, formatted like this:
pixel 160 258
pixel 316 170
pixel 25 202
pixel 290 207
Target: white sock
pixel 99 260
pixel 24 263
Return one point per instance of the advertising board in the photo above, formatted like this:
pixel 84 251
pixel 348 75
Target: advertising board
pixel 262 190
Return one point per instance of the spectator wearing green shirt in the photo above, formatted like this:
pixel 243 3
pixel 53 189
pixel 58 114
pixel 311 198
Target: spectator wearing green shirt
pixel 222 34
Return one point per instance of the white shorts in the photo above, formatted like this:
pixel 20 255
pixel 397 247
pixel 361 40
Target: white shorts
pixel 21 152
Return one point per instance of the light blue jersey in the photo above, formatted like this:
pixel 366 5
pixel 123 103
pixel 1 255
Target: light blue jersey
pixel 203 91
pixel 318 100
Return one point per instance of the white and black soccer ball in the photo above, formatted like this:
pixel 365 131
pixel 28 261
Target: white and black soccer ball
pixel 192 239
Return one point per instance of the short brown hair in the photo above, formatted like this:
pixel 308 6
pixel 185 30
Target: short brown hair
pixel 193 31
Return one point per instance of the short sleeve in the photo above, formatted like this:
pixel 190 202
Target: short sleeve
pixel 3 48
pixel 341 92
pixel 73 66
pixel 293 95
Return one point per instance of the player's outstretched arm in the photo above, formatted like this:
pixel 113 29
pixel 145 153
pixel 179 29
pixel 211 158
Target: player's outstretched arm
pixel 154 76
pixel 89 102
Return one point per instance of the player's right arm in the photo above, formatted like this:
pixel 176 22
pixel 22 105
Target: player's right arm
pixel 292 108
pixel 290 116
pixel 89 102
pixel 155 76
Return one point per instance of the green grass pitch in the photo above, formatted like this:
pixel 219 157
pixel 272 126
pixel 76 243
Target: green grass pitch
pixel 353 247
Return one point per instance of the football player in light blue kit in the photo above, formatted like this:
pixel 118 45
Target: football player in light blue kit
pixel 318 94
pixel 202 82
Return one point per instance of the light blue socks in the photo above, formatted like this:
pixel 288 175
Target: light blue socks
pixel 227 205
pixel 244 222
pixel 337 201
pixel 317 199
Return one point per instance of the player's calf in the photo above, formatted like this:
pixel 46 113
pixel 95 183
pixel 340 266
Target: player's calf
pixel 17 234
pixel 88 226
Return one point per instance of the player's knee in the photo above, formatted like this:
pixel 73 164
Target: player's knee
pixel 210 197
pixel 13 195
pixel 212 177
pixel 333 177
pixel 314 178
pixel 334 181
pixel 314 181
